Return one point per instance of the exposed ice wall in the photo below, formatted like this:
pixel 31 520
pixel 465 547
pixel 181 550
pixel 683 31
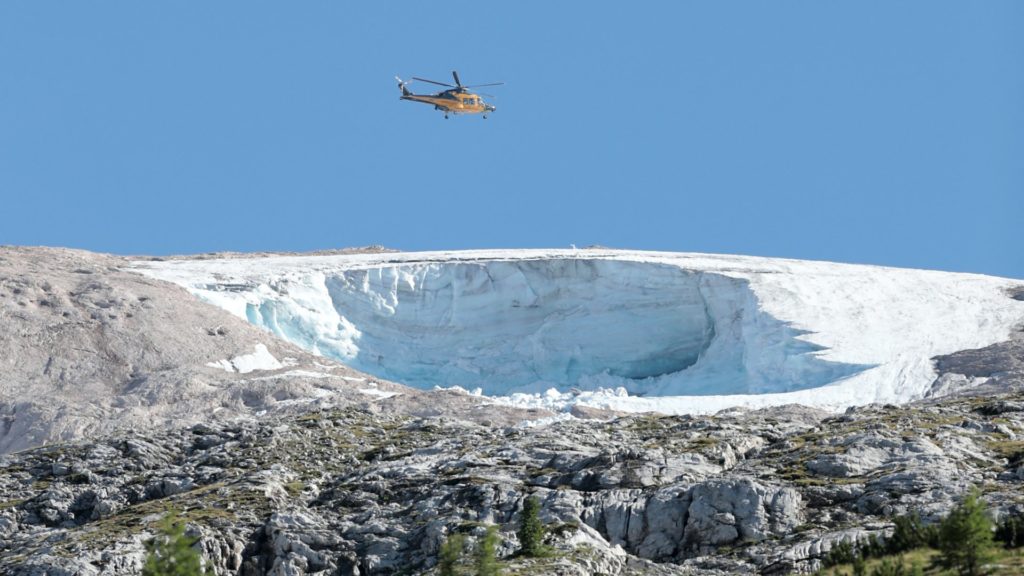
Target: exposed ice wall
pixel 528 325
pixel 508 325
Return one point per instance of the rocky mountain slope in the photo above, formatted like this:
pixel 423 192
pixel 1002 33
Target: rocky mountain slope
pixel 354 491
pixel 123 396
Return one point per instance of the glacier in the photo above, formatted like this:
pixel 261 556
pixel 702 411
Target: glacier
pixel 616 329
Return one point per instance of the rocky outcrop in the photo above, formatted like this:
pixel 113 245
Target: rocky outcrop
pixel 355 491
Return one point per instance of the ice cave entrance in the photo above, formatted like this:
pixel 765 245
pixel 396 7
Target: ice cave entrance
pixel 529 325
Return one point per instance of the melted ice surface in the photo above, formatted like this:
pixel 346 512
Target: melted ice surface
pixel 678 332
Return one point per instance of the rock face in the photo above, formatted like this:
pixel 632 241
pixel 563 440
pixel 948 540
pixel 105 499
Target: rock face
pixel 1000 366
pixel 728 511
pixel 355 491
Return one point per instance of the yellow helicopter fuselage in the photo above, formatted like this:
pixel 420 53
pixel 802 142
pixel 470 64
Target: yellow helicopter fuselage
pixel 453 102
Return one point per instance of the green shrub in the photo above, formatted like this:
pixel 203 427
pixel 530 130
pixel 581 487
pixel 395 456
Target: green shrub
pixel 847 552
pixel 170 552
pixel 860 566
pixel 840 553
pixel 888 568
pixel 1010 531
pixel 451 555
pixel 872 548
pixel 486 554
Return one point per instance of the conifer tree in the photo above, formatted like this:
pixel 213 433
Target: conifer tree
pixel 965 536
pixel 531 530
pixel 170 553
pixel 909 533
pixel 486 556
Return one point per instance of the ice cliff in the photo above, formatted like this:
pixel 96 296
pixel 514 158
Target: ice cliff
pixel 678 332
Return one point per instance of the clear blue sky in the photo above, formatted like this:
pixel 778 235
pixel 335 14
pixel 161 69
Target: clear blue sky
pixel 886 132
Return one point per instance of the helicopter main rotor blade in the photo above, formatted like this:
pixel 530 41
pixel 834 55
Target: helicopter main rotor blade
pixel 456 76
pixel 482 85
pixel 433 82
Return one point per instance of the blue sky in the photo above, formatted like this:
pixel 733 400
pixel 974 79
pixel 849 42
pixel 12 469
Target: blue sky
pixel 878 132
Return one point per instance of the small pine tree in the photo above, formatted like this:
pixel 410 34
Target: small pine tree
pixel 965 536
pixel 909 533
pixel 871 548
pixel 450 555
pixel 170 552
pixel 486 553
pixel 531 530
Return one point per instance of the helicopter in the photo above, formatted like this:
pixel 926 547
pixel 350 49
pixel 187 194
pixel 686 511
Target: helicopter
pixel 456 100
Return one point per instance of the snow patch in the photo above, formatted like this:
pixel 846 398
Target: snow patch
pixel 261 359
pixel 541 422
pixel 378 393
pixel 295 374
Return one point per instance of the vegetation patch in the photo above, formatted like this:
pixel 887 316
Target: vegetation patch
pixel 1012 450
pixel 4 505
pixel 963 543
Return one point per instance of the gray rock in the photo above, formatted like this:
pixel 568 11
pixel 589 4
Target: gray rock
pixel 724 511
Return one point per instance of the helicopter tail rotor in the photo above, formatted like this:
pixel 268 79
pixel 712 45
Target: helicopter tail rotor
pixel 401 86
